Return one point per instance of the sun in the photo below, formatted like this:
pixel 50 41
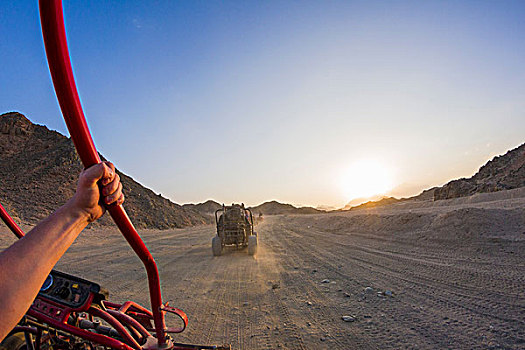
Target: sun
pixel 366 178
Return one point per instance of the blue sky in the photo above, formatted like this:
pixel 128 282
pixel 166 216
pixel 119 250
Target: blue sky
pixel 250 101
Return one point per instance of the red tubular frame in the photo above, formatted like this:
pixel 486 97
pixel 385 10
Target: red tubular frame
pixel 10 222
pixel 123 318
pixel 115 323
pixel 94 337
pixel 52 19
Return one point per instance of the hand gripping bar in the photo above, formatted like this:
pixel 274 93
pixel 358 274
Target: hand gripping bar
pixel 55 42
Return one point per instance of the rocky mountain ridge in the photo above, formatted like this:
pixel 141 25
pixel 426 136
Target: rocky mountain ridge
pixel 275 208
pixel 38 173
pixel 503 172
pixel 209 207
pixel 266 208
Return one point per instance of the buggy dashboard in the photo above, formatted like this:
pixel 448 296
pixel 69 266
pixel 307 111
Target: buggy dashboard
pixel 65 290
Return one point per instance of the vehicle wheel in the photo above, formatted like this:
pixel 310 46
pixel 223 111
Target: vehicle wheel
pixel 15 341
pixel 216 246
pixel 252 245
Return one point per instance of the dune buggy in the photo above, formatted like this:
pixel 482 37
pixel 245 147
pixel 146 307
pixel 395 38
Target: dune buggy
pixel 69 312
pixel 234 228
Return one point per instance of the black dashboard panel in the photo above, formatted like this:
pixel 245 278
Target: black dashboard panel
pixel 68 290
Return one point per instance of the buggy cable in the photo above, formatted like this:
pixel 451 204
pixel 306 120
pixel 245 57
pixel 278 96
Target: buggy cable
pixel 55 42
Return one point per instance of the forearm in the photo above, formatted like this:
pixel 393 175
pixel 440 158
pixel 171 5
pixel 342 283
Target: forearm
pixel 25 265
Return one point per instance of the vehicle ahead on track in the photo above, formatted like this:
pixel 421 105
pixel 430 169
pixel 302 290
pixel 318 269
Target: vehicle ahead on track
pixel 234 228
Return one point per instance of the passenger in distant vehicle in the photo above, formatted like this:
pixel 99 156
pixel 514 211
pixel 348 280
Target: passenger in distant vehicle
pixel 25 265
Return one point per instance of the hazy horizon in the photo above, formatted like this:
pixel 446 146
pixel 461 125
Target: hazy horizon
pixel 353 202
pixel 310 103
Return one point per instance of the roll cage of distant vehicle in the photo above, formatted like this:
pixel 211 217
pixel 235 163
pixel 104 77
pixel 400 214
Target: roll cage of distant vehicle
pixel 234 228
pixel 70 312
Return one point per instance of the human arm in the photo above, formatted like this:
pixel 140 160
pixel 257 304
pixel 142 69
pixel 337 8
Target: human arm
pixel 25 265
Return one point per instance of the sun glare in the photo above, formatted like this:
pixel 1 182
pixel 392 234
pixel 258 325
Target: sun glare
pixel 366 178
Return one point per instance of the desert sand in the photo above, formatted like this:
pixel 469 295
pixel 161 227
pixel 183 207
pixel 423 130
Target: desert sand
pixel 417 275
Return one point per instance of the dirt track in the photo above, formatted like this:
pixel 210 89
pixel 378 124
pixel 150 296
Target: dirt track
pixel 452 286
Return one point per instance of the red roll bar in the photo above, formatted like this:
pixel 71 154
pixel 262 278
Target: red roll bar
pixel 10 223
pixel 55 42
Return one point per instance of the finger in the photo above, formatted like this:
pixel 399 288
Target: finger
pixel 94 173
pixel 121 199
pixel 114 196
pixel 111 187
pixel 109 173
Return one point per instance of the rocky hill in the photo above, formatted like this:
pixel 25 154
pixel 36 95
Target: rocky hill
pixel 207 208
pixel 268 208
pixel 276 208
pixel 372 204
pixel 38 173
pixel 501 173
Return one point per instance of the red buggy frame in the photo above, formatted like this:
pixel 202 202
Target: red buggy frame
pixel 71 310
